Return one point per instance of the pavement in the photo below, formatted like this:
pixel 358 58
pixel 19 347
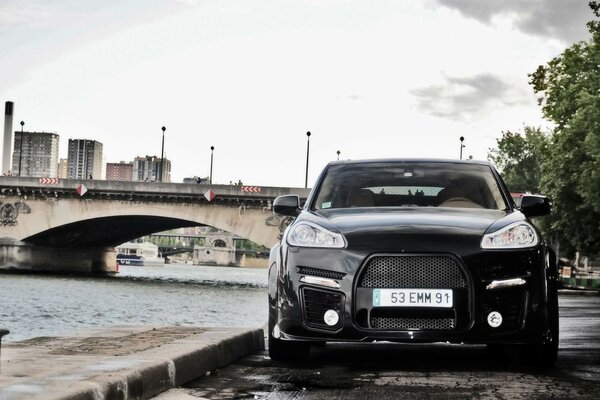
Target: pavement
pixel 119 362
pixel 348 371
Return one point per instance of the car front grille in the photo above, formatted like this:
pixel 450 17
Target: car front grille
pixel 413 271
pixel 411 319
pixel 430 324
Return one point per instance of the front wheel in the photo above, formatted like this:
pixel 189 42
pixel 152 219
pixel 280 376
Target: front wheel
pixel 285 351
pixel 545 352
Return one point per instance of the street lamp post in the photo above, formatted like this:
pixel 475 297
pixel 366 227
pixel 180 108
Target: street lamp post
pixel 162 153
pixel 338 153
pixel 212 149
pixel 21 147
pixel 307 153
pixel 462 139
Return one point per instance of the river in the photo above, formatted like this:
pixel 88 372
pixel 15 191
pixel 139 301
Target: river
pixel 176 294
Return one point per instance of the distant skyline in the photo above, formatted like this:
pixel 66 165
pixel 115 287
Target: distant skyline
pixel 368 78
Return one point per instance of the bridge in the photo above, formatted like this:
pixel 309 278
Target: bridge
pixel 187 242
pixel 74 225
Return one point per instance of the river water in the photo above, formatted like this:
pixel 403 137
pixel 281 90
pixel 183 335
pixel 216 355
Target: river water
pixel 176 294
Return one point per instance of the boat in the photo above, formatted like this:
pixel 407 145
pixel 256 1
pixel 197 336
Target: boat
pixel 129 259
pixel 139 254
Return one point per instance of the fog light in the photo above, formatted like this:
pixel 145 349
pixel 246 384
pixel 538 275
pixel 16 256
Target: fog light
pixel 494 319
pixel 331 317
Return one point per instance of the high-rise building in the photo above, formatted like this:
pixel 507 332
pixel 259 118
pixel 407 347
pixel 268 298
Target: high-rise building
pixel 120 171
pixel 84 159
pixel 149 169
pixel 35 154
pixel 62 168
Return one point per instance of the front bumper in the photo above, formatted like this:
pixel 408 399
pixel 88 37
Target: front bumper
pixel 299 307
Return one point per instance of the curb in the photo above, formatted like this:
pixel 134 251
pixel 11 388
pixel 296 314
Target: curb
pixel 144 374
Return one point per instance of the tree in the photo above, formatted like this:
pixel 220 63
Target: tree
pixel 569 90
pixel 518 157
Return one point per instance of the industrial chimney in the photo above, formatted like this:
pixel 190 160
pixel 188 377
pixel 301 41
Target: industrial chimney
pixel 8 137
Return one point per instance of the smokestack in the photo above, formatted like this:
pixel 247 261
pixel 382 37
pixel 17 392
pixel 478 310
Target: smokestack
pixel 8 137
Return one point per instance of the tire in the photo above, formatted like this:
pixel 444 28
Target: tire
pixel 285 351
pixel 544 353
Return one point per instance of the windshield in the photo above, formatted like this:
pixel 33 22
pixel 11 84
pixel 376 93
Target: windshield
pixel 409 184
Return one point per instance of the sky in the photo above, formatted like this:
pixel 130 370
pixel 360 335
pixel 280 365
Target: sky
pixel 367 78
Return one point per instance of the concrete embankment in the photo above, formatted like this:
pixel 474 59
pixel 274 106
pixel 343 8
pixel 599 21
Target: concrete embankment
pixel 118 363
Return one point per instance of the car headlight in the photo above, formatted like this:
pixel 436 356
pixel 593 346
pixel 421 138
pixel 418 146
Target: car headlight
pixel 514 236
pixel 306 234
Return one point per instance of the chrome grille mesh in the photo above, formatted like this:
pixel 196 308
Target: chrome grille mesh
pixel 419 271
pixel 391 323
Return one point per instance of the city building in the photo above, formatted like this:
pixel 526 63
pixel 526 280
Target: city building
pixel 84 159
pixel 121 171
pixel 148 169
pixel 35 154
pixel 62 168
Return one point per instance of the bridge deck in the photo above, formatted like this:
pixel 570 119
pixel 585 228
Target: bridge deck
pixel 143 191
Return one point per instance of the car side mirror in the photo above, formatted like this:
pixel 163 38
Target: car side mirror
pixel 287 205
pixel 534 205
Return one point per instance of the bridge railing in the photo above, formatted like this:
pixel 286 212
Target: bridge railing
pixel 156 191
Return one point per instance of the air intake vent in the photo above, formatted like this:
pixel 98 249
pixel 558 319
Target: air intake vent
pixel 413 324
pixel 510 303
pixel 323 273
pixel 412 320
pixel 317 302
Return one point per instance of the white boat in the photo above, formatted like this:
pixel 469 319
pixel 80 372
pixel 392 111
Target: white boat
pixel 139 254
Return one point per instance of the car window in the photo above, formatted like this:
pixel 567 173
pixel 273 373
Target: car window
pixel 401 184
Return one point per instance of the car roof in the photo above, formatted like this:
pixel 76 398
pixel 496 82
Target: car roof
pixel 411 160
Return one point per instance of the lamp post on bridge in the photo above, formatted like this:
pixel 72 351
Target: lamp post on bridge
pixel 21 147
pixel 462 139
pixel 162 152
pixel 307 153
pixel 338 153
pixel 212 149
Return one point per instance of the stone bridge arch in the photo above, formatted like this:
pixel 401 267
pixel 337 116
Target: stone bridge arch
pixel 75 223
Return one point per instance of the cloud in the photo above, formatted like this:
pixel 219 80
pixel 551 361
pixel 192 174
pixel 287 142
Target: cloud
pixel 564 20
pixel 462 98
pixel 14 12
pixel 350 97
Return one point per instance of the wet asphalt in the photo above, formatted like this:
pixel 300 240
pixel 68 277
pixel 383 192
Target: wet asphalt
pixel 419 371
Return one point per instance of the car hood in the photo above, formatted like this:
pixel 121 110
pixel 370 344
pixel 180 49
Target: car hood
pixel 409 229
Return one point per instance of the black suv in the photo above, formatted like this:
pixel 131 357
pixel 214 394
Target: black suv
pixel 412 251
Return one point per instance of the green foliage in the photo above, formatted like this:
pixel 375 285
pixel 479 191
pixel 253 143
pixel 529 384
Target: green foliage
pixel 245 244
pixel 518 157
pixel 569 90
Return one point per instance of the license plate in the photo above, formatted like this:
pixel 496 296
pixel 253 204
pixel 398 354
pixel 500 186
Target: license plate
pixel 412 298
